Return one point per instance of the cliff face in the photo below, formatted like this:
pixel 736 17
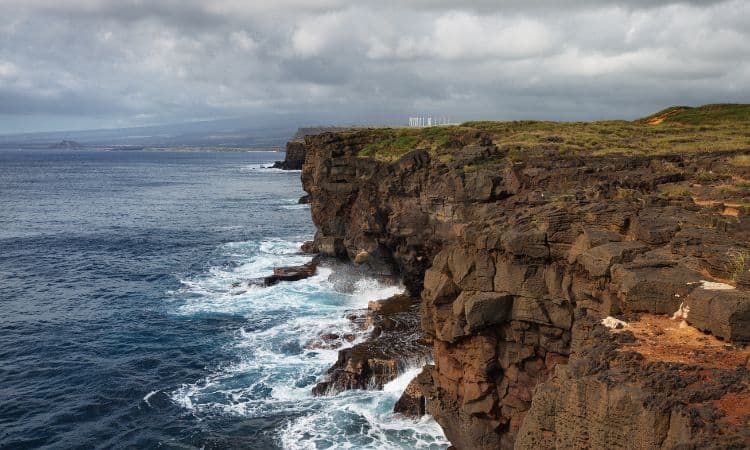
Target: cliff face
pixel 517 259
pixel 293 158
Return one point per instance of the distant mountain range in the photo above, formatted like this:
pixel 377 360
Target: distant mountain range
pixel 216 133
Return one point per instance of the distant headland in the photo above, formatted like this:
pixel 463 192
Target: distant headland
pixel 67 145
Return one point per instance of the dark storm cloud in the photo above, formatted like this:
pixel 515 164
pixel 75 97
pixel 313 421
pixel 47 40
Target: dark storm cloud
pixel 137 62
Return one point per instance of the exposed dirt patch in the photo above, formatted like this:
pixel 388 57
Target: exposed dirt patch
pixel 662 117
pixel 731 211
pixel 661 339
pixel 736 407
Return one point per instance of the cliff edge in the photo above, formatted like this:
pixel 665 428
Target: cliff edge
pixel 581 285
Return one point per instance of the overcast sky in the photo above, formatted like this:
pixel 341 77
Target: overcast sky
pixel 73 64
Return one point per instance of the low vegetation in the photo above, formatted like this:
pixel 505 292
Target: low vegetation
pixel 740 161
pixel 389 144
pixel 703 115
pixel 674 130
pixel 740 263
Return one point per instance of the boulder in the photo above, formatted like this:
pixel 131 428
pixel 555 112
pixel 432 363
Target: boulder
pixel 656 227
pixel 658 290
pixel 293 273
pixel 531 244
pixel 725 313
pixel 483 309
pixel 412 402
pixel 591 238
pixel 439 287
pixel 598 260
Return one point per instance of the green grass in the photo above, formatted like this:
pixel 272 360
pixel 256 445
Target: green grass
pixel 703 115
pixel 388 144
pixel 705 176
pixel 486 164
pixel 683 130
pixel 391 145
pixel 740 263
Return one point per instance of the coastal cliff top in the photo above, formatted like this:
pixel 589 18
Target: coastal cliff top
pixel 681 129
pixel 569 274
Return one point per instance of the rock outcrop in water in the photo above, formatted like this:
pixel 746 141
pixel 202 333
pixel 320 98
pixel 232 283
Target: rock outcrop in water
pixel 395 342
pixel 518 259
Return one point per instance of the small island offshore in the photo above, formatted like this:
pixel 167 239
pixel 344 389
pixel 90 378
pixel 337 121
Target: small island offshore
pixel 576 285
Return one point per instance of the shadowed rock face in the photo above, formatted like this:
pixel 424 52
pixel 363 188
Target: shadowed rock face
pixel 294 157
pixel 517 265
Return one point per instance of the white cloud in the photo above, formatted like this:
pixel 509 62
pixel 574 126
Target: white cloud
pixel 315 34
pixel 8 69
pixel 460 34
pixel 457 35
pixel 243 41
pixel 180 59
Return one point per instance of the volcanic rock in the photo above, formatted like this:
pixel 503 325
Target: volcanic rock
pixel 516 257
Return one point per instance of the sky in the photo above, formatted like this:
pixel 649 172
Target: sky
pixel 87 64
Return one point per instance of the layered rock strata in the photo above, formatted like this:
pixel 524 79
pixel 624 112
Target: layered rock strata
pixel 518 262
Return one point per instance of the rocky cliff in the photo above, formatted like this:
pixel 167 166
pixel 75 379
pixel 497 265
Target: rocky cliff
pixel 295 149
pixel 571 298
pixel 293 158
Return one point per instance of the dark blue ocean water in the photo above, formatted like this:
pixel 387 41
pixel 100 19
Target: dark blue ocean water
pixel 120 326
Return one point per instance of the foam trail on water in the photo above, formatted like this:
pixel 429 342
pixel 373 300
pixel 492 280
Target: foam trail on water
pixel 148 396
pixel 265 167
pixel 278 355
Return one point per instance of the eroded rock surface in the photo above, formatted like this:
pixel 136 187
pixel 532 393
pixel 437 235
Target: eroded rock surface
pixel 394 343
pixel 516 264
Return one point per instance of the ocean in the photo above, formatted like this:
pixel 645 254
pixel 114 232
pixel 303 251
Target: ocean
pixel 122 324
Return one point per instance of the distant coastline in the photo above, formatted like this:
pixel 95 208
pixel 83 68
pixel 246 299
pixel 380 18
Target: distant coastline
pixel 133 148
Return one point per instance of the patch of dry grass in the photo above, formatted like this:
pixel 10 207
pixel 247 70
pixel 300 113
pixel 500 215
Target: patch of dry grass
pixel 709 129
pixel 740 161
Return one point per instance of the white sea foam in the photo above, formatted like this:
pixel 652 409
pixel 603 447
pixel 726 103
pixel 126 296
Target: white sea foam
pixel 265 167
pixel 369 289
pixel 148 396
pixel 399 384
pixel 276 369
pixel 295 207
pixel 370 414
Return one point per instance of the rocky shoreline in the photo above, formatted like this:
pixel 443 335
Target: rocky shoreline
pixel 518 265
pixel 395 343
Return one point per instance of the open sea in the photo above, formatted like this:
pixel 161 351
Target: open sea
pixel 120 326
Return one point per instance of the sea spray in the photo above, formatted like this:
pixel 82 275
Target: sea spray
pixel 278 358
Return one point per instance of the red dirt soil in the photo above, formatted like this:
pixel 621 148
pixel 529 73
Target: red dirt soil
pixel 661 339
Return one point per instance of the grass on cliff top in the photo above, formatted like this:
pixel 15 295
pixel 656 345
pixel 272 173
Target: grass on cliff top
pixel 674 130
pixel 703 115
pixel 391 143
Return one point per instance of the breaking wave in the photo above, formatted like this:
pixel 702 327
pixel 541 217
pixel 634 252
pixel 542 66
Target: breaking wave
pixel 276 357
